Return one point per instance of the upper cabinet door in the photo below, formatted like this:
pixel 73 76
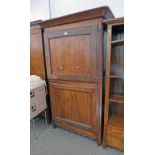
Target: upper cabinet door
pixel 71 54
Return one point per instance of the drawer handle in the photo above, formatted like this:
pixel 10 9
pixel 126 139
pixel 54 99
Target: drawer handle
pixel 32 93
pixel 33 108
pixel 46 90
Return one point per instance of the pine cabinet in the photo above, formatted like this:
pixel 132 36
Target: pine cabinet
pixel 74 60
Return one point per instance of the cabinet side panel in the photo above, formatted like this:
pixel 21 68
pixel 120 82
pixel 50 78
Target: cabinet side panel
pixel 37 66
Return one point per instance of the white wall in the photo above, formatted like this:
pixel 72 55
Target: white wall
pixel 40 8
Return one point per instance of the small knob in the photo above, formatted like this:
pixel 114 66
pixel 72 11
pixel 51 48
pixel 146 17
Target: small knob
pixel 65 33
pixel 77 67
pixel 61 68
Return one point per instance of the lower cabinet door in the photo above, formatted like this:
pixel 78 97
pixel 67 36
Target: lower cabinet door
pixel 74 105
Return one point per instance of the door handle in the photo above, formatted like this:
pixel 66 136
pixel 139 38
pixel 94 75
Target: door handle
pixel 32 93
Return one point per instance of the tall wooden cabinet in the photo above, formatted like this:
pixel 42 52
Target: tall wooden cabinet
pixel 114 87
pixel 37 62
pixel 74 60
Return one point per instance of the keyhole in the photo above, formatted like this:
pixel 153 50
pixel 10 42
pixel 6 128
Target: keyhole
pixel 61 68
pixel 77 67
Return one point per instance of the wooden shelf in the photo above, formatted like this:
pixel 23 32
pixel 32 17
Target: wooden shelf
pixel 114 90
pixel 117 99
pixel 118 42
pixel 116 120
pixel 116 76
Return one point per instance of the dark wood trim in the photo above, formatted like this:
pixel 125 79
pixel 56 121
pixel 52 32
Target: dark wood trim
pixel 70 87
pixel 101 12
pixel 99 85
pixel 74 129
pixel 114 21
pixel 35 24
pixel 75 124
pixel 69 32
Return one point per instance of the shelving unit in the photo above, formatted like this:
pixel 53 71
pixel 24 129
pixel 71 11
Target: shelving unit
pixel 116 76
pixel 114 89
pixel 117 99
pixel 116 120
pixel 118 42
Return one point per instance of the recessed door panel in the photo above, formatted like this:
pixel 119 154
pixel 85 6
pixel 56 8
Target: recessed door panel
pixel 62 99
pixel 81 107
pixel 56 56
pixel 63 55
pixel 83 66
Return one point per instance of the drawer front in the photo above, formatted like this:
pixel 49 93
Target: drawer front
pixel 72 54
pixel 38 97
pixel 38 91
pixel 37 107
pixel 115 137
pixel 37 101
pixel 74 105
